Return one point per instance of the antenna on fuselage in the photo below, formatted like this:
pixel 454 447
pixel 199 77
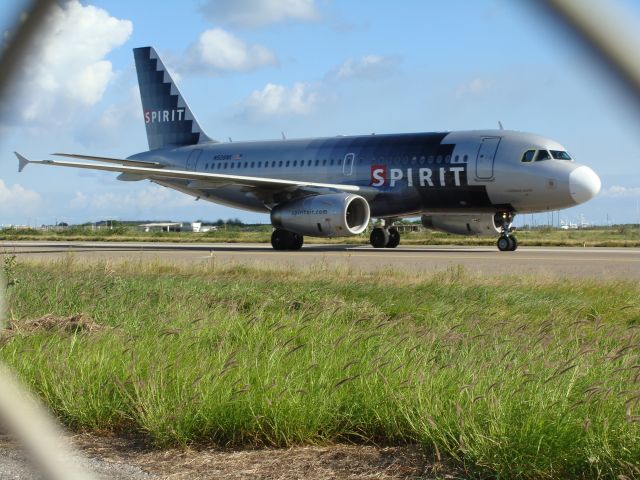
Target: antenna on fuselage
pixel 500 125
pixel 230 140
pixel 283 136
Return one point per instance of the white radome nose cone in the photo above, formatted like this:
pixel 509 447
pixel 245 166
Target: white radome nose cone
pixel 584 184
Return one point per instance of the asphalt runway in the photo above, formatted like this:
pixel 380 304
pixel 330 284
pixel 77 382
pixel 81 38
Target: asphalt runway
pixel 618 263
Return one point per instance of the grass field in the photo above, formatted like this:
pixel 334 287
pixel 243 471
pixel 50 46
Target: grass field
pixel 516 377
pixel 620 236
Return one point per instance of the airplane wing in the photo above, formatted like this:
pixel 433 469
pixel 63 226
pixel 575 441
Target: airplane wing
pixel 199 180
pixel 119 161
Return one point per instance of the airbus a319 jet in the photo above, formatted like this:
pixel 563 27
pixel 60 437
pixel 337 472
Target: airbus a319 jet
pixel 465 182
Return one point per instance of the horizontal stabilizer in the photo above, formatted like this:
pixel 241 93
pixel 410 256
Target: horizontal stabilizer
pixel 22 161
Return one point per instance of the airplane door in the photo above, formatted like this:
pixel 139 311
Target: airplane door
pixel 192 159
pixel 347 165
pixel 486 156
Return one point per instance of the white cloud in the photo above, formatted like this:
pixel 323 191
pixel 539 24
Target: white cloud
pixel 278 100
pixel 68 70
pixel 617 191
pixel 17 199
pixel 114 123
pixel 474 87
pixel 218 51
pixel 255 13
pixel 368 67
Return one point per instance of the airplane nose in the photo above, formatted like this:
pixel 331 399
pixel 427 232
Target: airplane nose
pixel 584 184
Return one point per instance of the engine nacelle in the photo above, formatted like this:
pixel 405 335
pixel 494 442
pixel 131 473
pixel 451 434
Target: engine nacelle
pixel 463 224
pixel 328 215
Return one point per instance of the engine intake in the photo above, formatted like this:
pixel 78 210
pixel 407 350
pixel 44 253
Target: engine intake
pixel 480 225
pixel 328 215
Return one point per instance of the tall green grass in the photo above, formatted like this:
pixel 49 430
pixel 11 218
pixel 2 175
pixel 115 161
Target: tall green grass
pixel 516 377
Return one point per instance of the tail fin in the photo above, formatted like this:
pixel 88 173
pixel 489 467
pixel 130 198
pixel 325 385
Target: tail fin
pixel 167 116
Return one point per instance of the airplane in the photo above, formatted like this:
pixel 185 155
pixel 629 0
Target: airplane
pixel 461 182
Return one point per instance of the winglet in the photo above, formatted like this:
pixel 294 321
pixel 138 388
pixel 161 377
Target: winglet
pixel 22 161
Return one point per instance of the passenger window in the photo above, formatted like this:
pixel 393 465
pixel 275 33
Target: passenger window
pixel 324 162
pixel 528 156
pixel 422 159
pixel 317 162
pixel 331 163
pixel 439 159
pixel 280 164
pixel 308 163
pixel 246 164
pixel 273 164
pixel 225 165
pixel 447 159
pixel 430 159
pixel 253 164
pixel 542 155
pixel 465 159
pixel 287 164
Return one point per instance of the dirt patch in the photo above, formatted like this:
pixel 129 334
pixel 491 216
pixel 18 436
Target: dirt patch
pixel 336 461
pixel 70 325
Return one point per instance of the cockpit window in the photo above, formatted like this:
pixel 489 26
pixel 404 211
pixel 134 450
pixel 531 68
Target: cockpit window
pixel 560 155
pixel 543 155
pixel 528 155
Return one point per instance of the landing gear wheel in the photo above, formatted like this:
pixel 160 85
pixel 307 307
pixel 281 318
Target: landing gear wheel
pixel 394 238
pixel 379 238
pixel 286 240
pixel 280 239
pixel 514 244
pixel 504 243
pixel 296 241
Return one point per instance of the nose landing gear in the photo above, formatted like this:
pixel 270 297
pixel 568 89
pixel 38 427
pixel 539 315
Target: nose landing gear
pixel 506 242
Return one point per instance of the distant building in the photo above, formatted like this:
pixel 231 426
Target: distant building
pixel 161 227
pixel 198 227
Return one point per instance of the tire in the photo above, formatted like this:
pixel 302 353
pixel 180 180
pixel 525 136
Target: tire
pixel 394 238
pixel 296 241
pixel 281 239
pixel 514 244
pixel 379 238
pixel 504 244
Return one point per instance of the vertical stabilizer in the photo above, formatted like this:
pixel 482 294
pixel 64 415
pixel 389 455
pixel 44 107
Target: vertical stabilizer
pixel 167 116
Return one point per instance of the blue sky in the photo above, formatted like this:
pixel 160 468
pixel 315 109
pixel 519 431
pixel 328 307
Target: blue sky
pixel 253 68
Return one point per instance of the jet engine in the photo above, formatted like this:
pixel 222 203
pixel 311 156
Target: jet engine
pixel 463 224
pixel 327 215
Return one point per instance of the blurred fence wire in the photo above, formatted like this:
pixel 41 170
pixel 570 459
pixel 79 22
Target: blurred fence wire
pixel 607 30
pixel 20 412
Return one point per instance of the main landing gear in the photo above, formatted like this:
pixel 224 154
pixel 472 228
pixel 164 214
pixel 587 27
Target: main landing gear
pixel 506 242
pixel 384 237
pixel 285 240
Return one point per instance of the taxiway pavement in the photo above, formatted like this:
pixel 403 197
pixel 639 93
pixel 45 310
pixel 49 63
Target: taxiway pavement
pixel 620 263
